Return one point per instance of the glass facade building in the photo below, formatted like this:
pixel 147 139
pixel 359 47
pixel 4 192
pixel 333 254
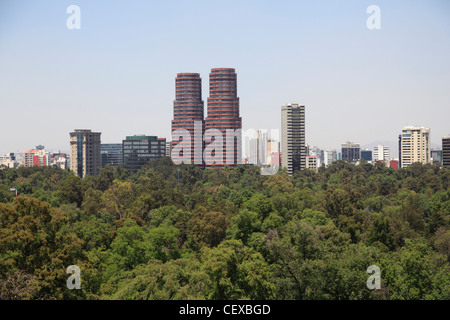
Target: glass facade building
pixel 366 155
pixel 111 153
pixel 139 149
pixel 351 152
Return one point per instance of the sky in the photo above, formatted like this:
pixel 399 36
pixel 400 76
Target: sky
pixel 116 74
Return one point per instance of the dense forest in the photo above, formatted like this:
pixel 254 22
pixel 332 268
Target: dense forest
pixel 179 232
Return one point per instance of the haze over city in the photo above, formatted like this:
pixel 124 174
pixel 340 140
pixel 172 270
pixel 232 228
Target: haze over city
pixel 116 75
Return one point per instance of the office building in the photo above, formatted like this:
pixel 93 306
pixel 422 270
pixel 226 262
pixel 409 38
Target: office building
pixel 188 112
pixel 293 148
pixel 223 117
pixel 351 152
pixel 366 154
pixel 85 152
pixel 111 153
pixel 446 151
pixel 415 146
pixel 140 149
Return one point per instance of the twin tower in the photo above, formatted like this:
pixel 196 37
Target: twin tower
pixel 212 141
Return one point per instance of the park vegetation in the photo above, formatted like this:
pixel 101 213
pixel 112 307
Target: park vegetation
pixel 180 232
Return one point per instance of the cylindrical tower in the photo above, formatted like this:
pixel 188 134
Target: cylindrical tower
pixel 223 113
pixel 188 109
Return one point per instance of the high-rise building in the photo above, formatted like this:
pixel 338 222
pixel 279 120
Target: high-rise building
pixel 293 148
pixel 140 149
pixel 256 147
pixel 415 146
pixel 111 153
pixel 223 120
pixel 446 151
pixel 85 152
pixel 37 157
pixel 351 152
pixel 366 154
pixel 188 113
pixel 381 153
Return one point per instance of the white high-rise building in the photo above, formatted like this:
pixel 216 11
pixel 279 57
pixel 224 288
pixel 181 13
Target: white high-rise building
pixel 415 146
pixel 381 153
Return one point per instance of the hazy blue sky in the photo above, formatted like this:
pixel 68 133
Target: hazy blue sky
pixel 117 73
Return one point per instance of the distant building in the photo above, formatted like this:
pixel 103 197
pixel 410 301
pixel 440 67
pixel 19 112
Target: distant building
pixel 415 146
pixel 351 152
pixel 436 156
pixel 275 159
pixel 330 156
pixel 111 153
pixel 187 113
pixel 393 164
pixel 311 162
pixel 224 117
pixel 8 160
pixel 381 153
pixel 273 148
pixel 85 152
pixel 446 151
pixel 37 157
pixel 293 148
pixel 168 148
pixel 366 154
pixel 140 149
pixel 59 159
pixel 319 153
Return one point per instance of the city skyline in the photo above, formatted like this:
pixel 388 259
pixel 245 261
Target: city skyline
pixel 115 75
